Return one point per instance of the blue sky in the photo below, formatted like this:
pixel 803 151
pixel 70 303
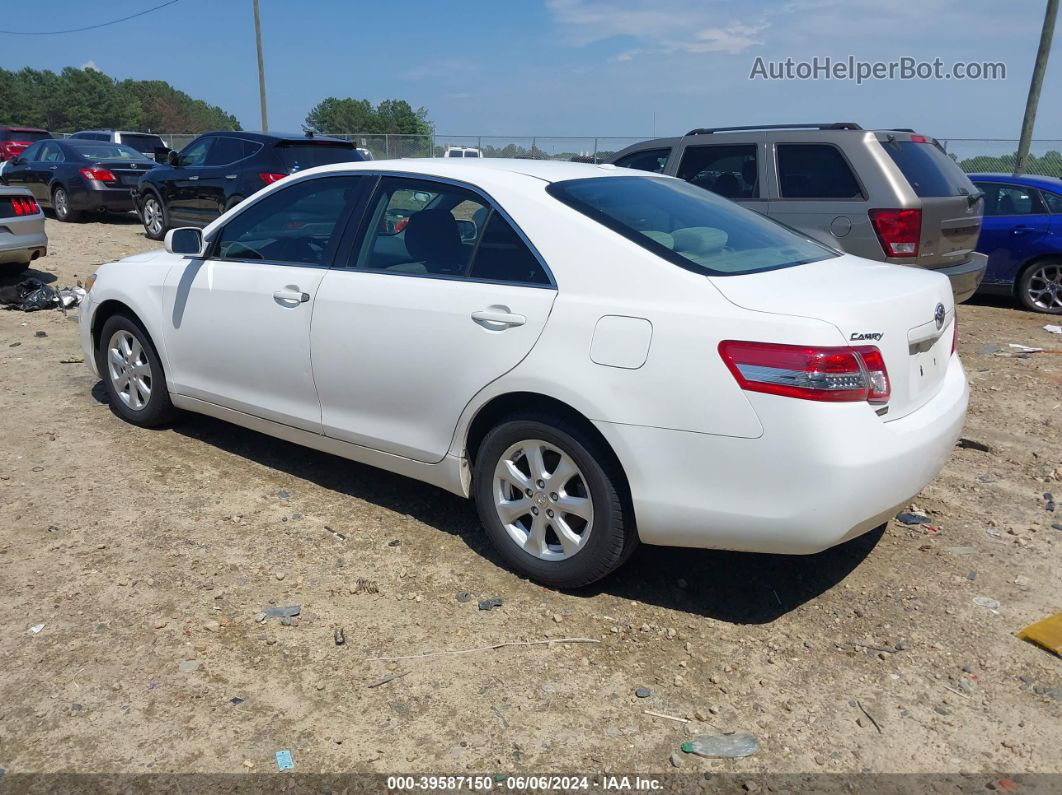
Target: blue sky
pixel 565 67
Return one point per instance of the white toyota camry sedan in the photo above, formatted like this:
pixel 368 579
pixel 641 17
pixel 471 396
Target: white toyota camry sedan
pixel 596 356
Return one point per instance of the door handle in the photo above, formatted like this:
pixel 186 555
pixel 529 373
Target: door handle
pixel 193 178
pixel 498 316
pixel 291 294
pixel 1021 230
pixel 54 168
pixel 231 176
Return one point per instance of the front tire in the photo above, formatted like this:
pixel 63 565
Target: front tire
pixel 132 373
pixel 552 502
pixel 1040 287
pixel 61 205
pixel 154 217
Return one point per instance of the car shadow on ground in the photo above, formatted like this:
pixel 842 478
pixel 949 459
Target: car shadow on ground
pixel 7 278
pixel 739 588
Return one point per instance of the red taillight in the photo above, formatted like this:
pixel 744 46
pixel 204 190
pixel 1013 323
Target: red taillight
pixel 9 149
pixel 898 230
pixel 269 179
pixel 101 174
pixel 845 374
pixel 24 206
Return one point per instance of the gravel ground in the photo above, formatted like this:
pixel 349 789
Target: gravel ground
pixel 147 555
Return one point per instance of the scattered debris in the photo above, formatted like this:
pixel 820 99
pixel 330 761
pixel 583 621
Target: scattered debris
pixel 388 678
pixel 492 647
pixel 1057 525
pixel 339 638
pixel 912 518
pixel 986 601
pixel 668 717
pixel 869 716
pixel 236 700
pixel 973 444
pixel 731 745
pixel 1053 693
pixel 362 585
pixel 395 542
pixel 260 617
pixel 284 494
pixel 676 760
pixel 464 596
pixel 1026 348
pixel 1049 501
pixel 988 349
pixel 72 360
pixel 1045 633
pixel 284 760
pixel 336 533
pixel 283 612
pixel 643 692
pixel 36 629
pixel 189 666
pixel 491 604
pixel 40 334
pixel 29 295
pixel 1053 329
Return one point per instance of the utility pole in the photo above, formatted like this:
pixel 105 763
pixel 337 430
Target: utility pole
pixel 1039 68
pixel 261 66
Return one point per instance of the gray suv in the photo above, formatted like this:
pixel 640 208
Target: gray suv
pixel 888 195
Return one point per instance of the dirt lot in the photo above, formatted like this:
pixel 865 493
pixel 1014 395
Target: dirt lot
pixel 142 550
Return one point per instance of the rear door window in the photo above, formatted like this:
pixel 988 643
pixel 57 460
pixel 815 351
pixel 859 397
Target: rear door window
pixel 1054 201
pixel 654 160
pixel 815 171
pixel 729 170
pixel 932 173
pixel 503 256
pixel 224 151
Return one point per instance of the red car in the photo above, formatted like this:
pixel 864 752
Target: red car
pixel 14 139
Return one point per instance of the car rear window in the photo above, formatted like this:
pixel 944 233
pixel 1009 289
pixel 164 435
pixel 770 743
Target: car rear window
pixel 301 156
pixel 932 173
pixel 98 150
pixel 24 135
pixel 689 226
pixel 143 143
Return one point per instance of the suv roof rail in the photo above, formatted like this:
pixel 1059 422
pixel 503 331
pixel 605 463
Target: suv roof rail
pixel 835 125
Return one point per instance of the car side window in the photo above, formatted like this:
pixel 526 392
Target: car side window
pixel 654 160
pixel 295 225
pixel 421 227
pixel 224 151
pixel 1053 200
pixel 31 153
pixel 1003 199
pixel 815 171
pixel 50 153
pixel 729 170
pixel 195 154
pixel 503 256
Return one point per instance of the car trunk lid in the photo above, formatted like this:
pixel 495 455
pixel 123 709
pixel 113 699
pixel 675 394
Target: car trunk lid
pixel 126 172
pixel 894 309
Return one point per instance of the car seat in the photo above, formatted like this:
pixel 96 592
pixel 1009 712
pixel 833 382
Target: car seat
pixel 432 238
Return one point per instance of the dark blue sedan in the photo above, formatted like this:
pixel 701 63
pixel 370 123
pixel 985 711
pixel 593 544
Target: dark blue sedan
pixel 1022 235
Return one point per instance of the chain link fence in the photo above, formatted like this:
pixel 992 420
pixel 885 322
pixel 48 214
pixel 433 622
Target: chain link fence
pixel 974 155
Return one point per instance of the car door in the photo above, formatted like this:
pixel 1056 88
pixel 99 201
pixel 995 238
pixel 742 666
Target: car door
pixel 239 319
pixel 216 173
pixel 181 186
pixel 440 295
pixel 734 169
pixel 1012 229
pixel 20 174
pixel 49 163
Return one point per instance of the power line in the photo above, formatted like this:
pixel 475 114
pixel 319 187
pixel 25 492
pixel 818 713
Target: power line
pixel 89 27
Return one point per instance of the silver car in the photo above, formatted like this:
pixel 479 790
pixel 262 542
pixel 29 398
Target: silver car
pixel 887 195
pixel 22 237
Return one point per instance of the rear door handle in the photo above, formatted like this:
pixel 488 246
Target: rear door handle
pixel 498 316
pixel 193 178
pixel 231 176
pixel 1021 229
pixel 291 294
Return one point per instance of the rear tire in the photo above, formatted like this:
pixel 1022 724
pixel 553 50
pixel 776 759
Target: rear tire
pixel 132 373
pixel 61 205
pixel 577 526
pixel 154 217
pixel 1039 288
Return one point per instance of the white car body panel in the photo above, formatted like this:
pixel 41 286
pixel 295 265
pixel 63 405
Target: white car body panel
pixel 400 370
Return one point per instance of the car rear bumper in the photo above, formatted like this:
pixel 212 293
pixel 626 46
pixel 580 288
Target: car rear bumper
pixel 111 199
pixel 22 239
pixel 819 475
pixel 966 277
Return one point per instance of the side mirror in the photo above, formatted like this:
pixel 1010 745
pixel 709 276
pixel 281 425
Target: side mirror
pixel 186 241
pixel 162 154
pixel 173 158
pixel 17 161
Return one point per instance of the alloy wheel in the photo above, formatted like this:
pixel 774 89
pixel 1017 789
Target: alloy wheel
pixel 1045 287
pixel 62 208
pixel 129 370
pixel 153 216
pixel 543 500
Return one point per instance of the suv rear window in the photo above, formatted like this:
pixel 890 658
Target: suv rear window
pixel 688 226
pixel 932 173
pixel 24 135
pixel 654 160
pixel 143 143
pixel 301 156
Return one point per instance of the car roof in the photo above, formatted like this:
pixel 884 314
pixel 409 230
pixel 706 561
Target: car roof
pixel 22 129
pixel 274 136
pixel 487 169
pixel 1034 180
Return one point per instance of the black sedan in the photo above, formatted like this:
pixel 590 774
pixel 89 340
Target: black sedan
pixel 74 176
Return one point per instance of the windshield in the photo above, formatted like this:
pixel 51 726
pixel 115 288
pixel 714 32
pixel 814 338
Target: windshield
pixel 689 226
pixel 143 143
pixel 99 150
pixel 932 173
pixel 301 156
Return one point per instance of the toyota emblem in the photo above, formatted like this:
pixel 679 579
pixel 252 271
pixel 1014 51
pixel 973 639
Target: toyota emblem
pixel 938 316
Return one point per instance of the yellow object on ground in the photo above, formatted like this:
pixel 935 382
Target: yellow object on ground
pixel 1047 632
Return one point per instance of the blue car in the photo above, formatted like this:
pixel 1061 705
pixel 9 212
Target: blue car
pixel 1022 235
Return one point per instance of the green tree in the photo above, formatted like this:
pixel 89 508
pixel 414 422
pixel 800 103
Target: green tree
pixel 349 115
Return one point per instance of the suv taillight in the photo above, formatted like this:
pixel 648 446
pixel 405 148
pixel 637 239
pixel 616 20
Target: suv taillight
pixel 844 374
pixel 269 178
pixel 898 230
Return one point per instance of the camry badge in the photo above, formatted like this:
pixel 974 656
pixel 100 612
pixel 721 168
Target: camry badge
pixel 938 316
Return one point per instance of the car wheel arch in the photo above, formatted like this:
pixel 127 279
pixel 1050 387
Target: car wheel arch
pixel 1032 262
